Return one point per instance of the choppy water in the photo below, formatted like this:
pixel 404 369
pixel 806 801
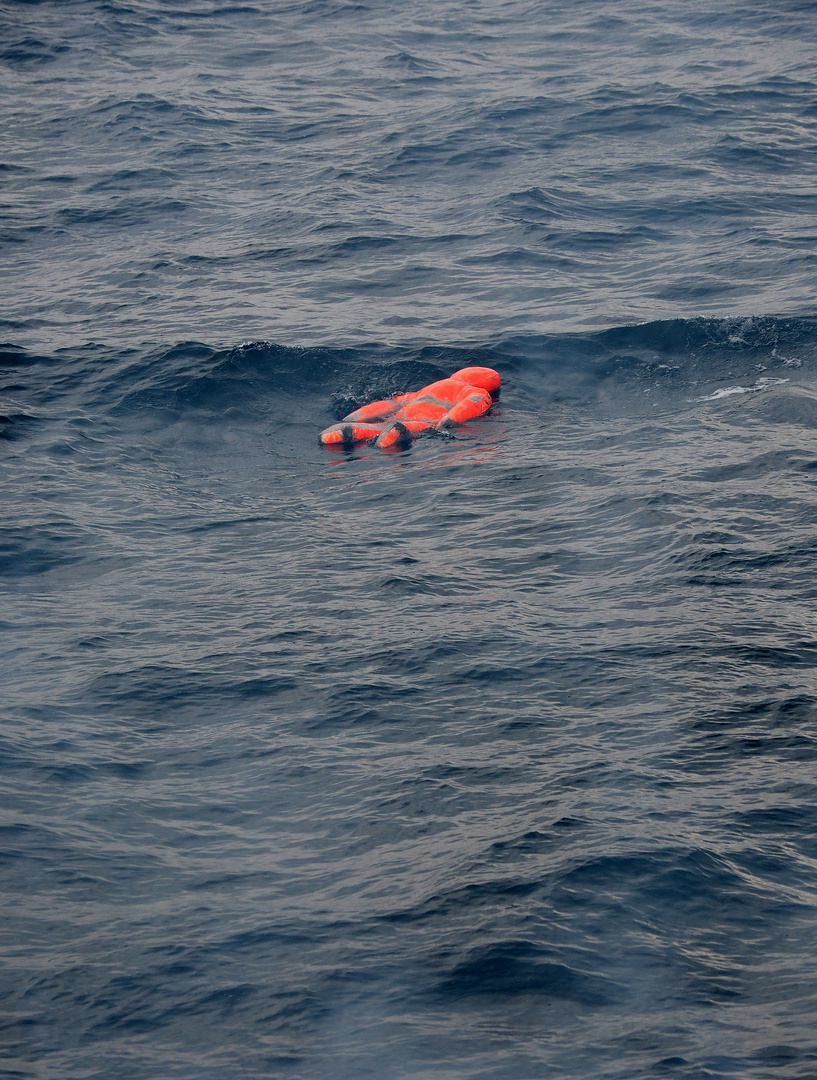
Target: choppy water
pixel 491 758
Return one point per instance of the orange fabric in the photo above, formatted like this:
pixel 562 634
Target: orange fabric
pixel 394 435
pixel 471 405
pixel 377 410
pixel 463 396
pixel 484 377
pixel 349 433
pixel 421 409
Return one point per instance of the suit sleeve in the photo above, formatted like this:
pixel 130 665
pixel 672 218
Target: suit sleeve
pixel 473 402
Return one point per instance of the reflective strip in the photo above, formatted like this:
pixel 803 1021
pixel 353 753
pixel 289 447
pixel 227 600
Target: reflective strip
pixel 436 401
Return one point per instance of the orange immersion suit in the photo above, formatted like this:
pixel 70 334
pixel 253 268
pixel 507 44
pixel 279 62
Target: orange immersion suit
pixel 468 393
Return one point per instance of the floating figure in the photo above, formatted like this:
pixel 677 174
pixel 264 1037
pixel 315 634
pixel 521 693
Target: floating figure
pixel 468 393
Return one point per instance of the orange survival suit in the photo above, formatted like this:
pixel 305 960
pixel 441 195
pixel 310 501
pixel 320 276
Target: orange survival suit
pixel 469 392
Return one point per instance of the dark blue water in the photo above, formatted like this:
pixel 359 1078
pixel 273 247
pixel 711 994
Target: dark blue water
pixel 492 758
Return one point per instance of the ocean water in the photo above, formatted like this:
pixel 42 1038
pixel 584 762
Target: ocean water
pixel 491 759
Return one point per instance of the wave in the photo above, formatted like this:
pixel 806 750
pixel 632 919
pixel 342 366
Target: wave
pixel 674 363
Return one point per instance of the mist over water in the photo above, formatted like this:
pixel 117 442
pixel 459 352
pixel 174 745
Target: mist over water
pixel 493 757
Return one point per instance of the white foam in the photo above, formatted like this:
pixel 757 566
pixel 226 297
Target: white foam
pixel 728 391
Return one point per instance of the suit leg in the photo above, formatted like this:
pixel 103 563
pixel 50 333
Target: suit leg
pixel 346 434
